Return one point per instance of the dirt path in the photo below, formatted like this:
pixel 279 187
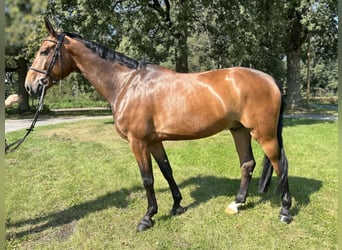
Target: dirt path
pixel 313 117
pixel 13 125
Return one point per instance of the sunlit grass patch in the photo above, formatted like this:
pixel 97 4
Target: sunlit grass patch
pixel 77 185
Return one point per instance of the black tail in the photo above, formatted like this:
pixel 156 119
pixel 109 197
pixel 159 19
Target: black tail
pixel 266 174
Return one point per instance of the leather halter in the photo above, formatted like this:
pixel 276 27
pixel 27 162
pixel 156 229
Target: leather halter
pixel 43 82
pixel 56 53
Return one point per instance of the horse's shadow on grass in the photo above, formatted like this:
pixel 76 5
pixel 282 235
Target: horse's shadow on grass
pixel 119 199
pixel 205 188
pixel 208 187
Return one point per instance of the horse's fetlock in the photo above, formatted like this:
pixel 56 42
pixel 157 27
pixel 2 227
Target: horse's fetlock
pixel 148 181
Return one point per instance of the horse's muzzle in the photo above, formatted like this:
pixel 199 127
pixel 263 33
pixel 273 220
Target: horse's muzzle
pixel 35 91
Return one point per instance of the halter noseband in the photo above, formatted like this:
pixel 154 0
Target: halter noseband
pixel 56 53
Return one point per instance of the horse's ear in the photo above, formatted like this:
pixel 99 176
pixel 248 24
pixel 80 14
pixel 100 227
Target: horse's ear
pixel 49 27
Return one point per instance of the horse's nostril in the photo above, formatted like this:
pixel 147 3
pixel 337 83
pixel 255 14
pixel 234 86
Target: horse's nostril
pixel 28 88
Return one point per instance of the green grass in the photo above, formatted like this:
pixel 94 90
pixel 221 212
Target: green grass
pixel 77 186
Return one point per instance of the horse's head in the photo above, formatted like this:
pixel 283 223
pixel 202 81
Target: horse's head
pixel 50 63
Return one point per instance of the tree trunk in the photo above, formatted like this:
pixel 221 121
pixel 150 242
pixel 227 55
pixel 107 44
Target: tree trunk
pixel 182 52
pixel 181 37
pixel 24 104
pixel 296 36
pixel 308 75
pixel 293 96
pixel 178 29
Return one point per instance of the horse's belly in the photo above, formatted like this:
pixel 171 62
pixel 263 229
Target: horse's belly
pixel 193 127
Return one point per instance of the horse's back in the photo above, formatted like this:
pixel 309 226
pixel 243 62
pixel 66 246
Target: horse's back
pixel 244 90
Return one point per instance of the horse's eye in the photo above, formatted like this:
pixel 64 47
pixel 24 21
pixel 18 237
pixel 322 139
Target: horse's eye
pixel 44 52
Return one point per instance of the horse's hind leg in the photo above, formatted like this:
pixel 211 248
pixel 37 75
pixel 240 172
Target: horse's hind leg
pixel 242 140
pixel 283 188
pixel 277 158
pixel 160 156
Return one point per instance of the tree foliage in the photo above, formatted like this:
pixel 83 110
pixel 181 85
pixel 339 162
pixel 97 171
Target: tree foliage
pixel 308 22
pixel 23 27
pixel 272 36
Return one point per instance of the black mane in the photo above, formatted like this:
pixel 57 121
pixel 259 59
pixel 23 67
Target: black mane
pixel 109 54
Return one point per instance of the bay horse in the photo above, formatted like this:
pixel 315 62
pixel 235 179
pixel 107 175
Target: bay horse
pixel 151 104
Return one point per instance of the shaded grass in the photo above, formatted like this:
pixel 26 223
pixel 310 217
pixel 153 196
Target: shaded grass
pixel 77 186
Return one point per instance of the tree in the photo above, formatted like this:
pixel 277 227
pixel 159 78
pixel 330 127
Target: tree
pixel 315 19
pixel 246 34
pixel 271 35
pixel 162 23
pixel 157 29
pixel 22 19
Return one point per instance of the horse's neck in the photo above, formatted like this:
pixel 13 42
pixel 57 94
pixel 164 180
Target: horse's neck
pixel 107 77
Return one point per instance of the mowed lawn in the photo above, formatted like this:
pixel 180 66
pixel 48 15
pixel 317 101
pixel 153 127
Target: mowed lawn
pixel 77 186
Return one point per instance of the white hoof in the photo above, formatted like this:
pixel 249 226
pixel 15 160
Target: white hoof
pixel 233 208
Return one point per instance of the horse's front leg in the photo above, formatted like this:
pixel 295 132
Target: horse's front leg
pixel 160 156
pixel 143 157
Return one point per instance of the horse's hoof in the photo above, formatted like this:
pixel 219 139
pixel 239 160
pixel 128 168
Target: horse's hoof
pixel 233 208
pixel 230 211
pixel 285 218
pixel 177 211
pixel 145 224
